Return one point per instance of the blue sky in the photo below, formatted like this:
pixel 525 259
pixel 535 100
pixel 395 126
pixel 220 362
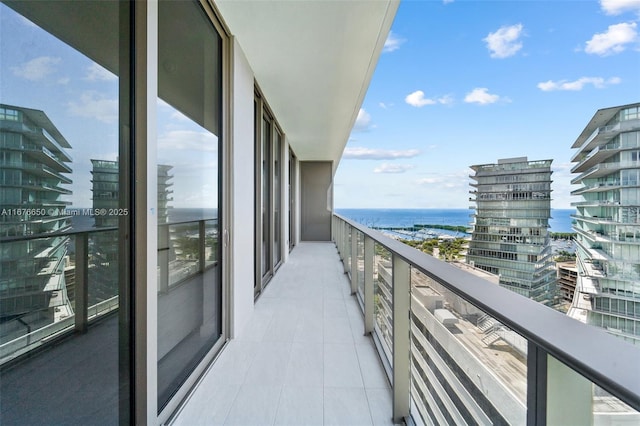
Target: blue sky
pixel 469 82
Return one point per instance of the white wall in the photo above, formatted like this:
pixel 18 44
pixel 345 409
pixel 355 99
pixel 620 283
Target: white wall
pixel 242 232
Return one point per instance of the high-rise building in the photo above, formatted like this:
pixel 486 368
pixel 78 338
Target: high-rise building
pixel 34 160
pixel 607 221
pixel 103 246
pixel 511 227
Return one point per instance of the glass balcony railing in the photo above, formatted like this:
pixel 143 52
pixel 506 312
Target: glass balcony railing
pixel 185 249
pixel 66 295
pixel 69 292
pixel 462 350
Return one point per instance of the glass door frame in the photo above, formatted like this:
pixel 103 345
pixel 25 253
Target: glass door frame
pixel 144 222
pixel 263 114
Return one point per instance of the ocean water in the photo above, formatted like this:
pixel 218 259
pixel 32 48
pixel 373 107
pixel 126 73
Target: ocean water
pixel 560 221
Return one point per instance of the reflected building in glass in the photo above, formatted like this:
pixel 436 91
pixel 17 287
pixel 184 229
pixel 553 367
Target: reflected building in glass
pixel 35 168
pixel 608 222
pixel 104 245
pixel 511 229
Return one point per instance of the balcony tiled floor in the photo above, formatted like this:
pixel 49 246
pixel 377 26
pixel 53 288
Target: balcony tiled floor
pixel 301 360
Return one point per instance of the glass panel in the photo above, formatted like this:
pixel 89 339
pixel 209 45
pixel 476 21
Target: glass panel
pixel 189 89
pixel 184 250
pixel 574 399
pixel 64 104
pixel 383 298
pixel 266 195
pixel 103 273
pixel 466 367
pixel 277 188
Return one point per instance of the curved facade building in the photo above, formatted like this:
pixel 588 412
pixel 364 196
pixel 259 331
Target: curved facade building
pixel 608 221
pixel 511 228
pixel 35 165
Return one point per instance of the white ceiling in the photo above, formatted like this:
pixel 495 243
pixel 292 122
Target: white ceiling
pixel 313 61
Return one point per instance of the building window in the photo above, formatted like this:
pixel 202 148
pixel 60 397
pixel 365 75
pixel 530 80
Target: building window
pixel 189 186
pixel 64 272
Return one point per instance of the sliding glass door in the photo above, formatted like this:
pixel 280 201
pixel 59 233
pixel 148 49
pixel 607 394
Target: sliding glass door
pixel 189 182
pixel 269 149
pixel 65 319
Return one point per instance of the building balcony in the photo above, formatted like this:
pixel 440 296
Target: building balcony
pixel 599 187
pixel 322 348
pixel 255 376
pixel 602 203
pixel 596 156
pixel 41 137
pixel 604 169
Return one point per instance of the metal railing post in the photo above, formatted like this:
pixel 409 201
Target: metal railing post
pixel 536 385
pixel 354 261
pixel 347 249
pixel 369 255
pixel 82 282
pixel 401 344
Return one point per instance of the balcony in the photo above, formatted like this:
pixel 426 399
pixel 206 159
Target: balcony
pixel 455 348
pixel 596 156
pixel 303 357
pixel 388 334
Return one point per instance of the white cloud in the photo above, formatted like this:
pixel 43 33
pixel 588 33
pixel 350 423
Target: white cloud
pixel 37 69
pixel 392 42
pixel 95 105
pixel 363 122
pixel 188 140
pixel 360 153
pixel 616 7
pixel 597 82
pixel 481 95
pixel 614 40
pixel 505 41
pixel 447 1
pixel 448 181
pixel 418 100
pixel 96 73
pixel 384 105
pixel 392 168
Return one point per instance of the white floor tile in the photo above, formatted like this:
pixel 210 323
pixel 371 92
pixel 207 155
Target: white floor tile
pixel 337 330
pixel 371 367
pixel 269 366
pixel 341 368
pixel 300 406
pixel 346 406
pixel 306 365
pixel 254 406
pixel 309 329
pixel 380 406
pixel 234 362
pixel 210 405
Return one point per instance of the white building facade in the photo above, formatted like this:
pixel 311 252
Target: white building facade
pixel 607 220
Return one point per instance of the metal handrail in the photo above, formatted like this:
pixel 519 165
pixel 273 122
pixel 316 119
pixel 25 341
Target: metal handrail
pixel 606 360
